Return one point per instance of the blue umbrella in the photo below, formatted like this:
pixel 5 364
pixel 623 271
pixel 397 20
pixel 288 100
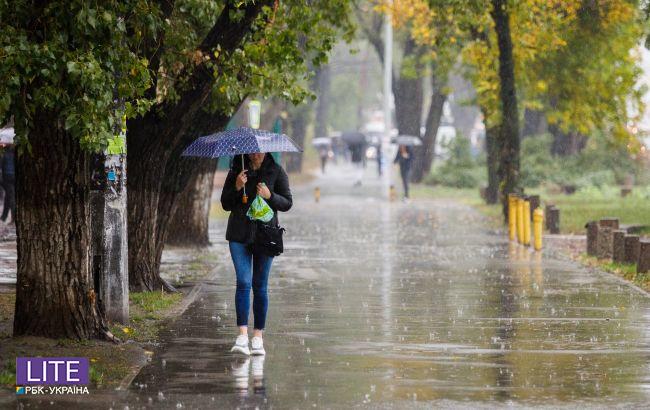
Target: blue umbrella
pixel 238 141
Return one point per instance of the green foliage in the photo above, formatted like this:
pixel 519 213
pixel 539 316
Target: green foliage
pixel 70 59
pixel 627 271
pixel 277 58
pixel 603 162
pixel 460 170
pixel 153 303
pixel 8 373
pixel 96 376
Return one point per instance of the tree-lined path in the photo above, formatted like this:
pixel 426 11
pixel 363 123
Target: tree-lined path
pixel 405 305
pixel 377 302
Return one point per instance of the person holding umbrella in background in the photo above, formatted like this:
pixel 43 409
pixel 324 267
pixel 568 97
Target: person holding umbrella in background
pixel 404 158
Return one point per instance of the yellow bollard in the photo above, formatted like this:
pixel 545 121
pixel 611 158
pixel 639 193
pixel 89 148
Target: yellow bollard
pixel 317 194
pixel 520 220
pixel 392 194
pixel 512 216
pixel 538 223
pixel 526 222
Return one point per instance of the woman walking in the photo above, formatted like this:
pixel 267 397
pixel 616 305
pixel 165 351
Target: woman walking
pixel 262 175
pixel 404 158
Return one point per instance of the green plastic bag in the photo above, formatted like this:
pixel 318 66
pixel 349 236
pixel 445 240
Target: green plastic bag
pixel 260 210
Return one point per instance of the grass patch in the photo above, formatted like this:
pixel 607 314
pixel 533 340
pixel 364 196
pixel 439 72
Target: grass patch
pixel 7 306
pixel 578 209
pixel 8 374
pixel 575 210
pixel 146 311
pixel 109 362
pixel 626 271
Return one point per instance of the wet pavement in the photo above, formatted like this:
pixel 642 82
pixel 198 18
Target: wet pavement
pixel 405 305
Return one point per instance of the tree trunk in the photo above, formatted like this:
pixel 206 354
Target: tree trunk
pixel 142 203
pixel 425 155
pixel 55 295
pixel 509 130
pixel 323 76
pixel 566 144
pixel 178 184
pixel 534 123
pixel 492 150
pixel 153 138
pixel 189 224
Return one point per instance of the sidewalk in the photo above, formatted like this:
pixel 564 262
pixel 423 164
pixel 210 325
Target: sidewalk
pixel 407 305
pixel 404 305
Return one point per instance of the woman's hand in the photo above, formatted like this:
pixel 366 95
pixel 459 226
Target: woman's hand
pixel 263 191
pixel 241 180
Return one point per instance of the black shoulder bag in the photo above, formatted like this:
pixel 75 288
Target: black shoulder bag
pixel 268 239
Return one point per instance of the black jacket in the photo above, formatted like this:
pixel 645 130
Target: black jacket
pixel 404 163
pixel 240 227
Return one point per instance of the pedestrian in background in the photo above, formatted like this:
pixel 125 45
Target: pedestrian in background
pixel 9 183
pixel 357 152
pixel 263 175
pixel 323 153
pixel 404 158
pixel 379 160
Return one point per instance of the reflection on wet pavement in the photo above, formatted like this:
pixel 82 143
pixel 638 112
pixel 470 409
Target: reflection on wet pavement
pixel 407 305
pixel 398 304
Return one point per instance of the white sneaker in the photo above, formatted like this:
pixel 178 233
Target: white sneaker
pixel 257 346
pixel 241 345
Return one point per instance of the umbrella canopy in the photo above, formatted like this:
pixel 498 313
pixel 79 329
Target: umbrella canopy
pixel 353 138
pixel 408 140
pixel 240 140
pixel 321 142
pixel 7 135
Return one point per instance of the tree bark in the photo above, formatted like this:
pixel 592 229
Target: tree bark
pixel 55 295
pixel 509 130
pixel 154 137
pixel 181 182
pixel 534 123
pixel 425 155
pixel 492 150
pixel 189 224
pixel 566 144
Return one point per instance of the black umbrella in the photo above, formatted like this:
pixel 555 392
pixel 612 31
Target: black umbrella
pixel 353 138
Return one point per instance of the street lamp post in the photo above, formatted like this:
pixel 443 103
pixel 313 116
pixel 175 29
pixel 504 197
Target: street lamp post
pixel 388 93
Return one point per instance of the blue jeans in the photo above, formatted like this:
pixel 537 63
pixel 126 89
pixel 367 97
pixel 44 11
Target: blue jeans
pixel 252 270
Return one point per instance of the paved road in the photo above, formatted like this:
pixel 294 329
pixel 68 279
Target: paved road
pixel 406 305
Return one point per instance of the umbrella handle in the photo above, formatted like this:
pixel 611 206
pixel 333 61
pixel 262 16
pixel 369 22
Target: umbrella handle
pixel 244 198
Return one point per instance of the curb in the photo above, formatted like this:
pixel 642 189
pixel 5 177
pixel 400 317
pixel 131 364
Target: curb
pixel 597 270
pixel 177 311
